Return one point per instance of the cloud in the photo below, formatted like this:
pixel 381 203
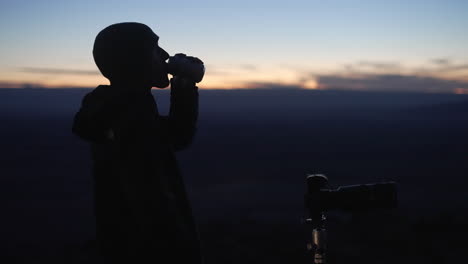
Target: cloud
pixel 380 65
pixel 59 71
pixel 440 67
pixel 444 65
pixel 372 67
pixel 438 75
pixel 272 86
pixel 6 84
pixel 390 82
pixel 447 70
pixel 459 67
pixel 441 61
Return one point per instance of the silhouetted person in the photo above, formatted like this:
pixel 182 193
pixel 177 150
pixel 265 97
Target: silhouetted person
pixel 142 211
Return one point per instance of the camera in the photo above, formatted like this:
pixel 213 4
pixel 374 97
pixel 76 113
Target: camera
pixel 186 66
pixel 321 198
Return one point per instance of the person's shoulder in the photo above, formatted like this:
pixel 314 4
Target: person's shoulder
pixel 102 89
pixel 97 94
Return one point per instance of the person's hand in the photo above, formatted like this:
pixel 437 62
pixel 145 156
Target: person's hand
pixel 187 67
pixel 194 60
pixel 180 82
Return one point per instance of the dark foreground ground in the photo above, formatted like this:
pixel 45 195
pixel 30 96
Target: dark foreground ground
pixel 245 175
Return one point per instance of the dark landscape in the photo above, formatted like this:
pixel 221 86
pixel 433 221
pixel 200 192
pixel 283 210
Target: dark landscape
pixel 245 173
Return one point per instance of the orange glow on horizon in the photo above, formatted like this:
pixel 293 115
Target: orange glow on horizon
pixel 311 84
pixel 461 91
pixel 259 77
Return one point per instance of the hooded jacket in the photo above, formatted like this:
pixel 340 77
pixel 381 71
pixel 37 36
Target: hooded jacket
pixel 141 207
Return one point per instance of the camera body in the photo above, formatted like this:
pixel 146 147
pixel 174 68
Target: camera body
pixel 186 66
pixel 321 198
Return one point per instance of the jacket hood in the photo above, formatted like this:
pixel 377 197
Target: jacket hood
pixel 98 110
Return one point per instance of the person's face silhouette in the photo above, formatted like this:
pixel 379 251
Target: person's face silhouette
pixel 159 78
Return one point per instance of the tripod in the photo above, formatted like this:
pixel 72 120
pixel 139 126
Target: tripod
pixel 320 198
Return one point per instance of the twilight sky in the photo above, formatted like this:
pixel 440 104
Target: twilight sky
pixel 367 44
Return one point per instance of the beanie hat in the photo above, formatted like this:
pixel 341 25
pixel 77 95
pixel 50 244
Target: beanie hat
pixel 124 50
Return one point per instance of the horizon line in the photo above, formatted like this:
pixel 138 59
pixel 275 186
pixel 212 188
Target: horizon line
pixel 458 93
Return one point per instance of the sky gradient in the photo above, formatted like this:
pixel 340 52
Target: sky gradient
pixel 383 45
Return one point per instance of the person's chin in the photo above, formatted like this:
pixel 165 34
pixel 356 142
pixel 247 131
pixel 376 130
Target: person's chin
pixel 162 82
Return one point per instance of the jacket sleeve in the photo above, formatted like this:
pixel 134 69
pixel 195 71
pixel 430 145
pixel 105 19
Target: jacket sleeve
pixel 183 113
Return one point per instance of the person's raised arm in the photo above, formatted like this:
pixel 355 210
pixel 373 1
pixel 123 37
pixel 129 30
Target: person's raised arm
pixel 183 113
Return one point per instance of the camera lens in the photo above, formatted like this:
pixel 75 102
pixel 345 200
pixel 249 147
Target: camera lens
pixel 367 196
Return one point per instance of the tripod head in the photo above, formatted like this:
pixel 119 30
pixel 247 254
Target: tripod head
pixel 320 198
